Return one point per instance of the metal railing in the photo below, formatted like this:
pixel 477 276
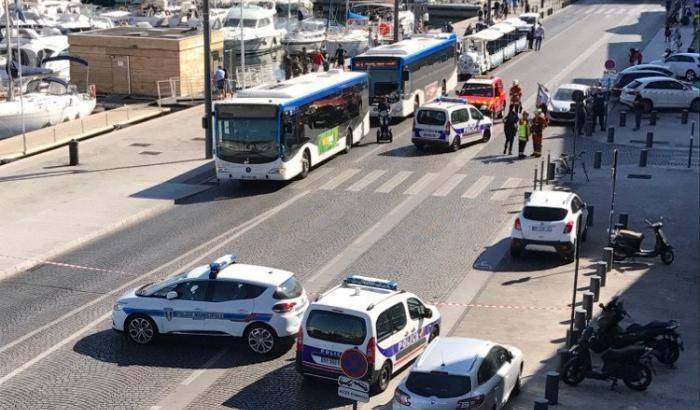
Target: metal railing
pixel 254 75
pixel 176 89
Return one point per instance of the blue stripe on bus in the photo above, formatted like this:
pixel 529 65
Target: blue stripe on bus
pixel 443 45
pixel 297 102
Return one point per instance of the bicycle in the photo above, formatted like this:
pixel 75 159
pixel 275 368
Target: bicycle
pixel 563 166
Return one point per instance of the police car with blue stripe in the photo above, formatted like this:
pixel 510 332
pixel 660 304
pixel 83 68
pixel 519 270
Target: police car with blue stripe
pixel 390 326
pixel 449 123
pixel 225 298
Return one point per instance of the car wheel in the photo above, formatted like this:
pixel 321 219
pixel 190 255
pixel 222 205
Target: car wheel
pixel 141 329
pixel 669 352
pixel 348 143
pixel 456 144
pixel 261 339
pixel 305 165
pixel 383 378
pixel 690 75
pixel 419 146
pixel 487 135
pixel 695 105
pixel 648 105
pixel 516 252
pixel 568 257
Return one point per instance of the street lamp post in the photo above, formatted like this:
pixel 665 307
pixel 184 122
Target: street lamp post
pixel 206 121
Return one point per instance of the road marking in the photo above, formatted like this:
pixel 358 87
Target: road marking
pixel 209 247
pixel 478 186
pixel 420 184
pixel 67 265
pixel 389 185
pixel 314 176
pixel 366 180
pixel 590 10
pixel 367 154
pixel 205 366
pixel 449 185
pixel 339 179
pixel 506 189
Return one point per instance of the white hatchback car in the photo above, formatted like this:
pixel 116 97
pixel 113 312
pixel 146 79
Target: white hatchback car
pixel 684 65
pixel 549 221
pixel 449 122
pixel 264 305
pixel 560 104
pixel 461 373
pixel 662 92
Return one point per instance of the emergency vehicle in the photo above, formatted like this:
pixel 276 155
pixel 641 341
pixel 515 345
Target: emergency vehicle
pixel 486 93
pixel 390 326
pixel 449 123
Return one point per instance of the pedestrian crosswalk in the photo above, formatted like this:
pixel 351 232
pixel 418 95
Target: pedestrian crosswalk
pixel 382 181
pixel 610 10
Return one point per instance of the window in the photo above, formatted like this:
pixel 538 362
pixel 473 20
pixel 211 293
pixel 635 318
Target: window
pixel 161 288
pixel 686 59
pixel 336 327
pixel 431 117
pixel 224 290
pixel 391 321
pixel 290 289
pixel 459 116
pixel 192 290
pixel 476 114
pixel 416 310
pixel 665 85
pixel 576 204
pixel 634 84
pixel 486 370
pixel 544 213
pixel 441 385
pixel 673 59
pixel 500 356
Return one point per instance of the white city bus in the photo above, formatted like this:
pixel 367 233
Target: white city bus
pixel 410 72
pixel 279 131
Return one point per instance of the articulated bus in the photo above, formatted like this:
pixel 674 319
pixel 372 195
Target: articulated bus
pixel 410 72
pixel 279 131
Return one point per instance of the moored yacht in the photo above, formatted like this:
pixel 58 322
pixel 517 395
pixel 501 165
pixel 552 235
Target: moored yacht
pixel 257 27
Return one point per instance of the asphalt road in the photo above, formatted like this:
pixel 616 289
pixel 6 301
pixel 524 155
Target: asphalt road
pixel 421 218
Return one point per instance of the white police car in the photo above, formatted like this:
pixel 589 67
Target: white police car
pixel 449 122
pixel 262 304
pixel 391 327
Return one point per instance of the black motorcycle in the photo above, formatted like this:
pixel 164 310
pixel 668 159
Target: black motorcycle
pixel 661 336
pixel 631 364
pixel 628 244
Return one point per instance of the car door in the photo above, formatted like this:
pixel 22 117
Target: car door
pixel 505 371
pixel 232 306
pixel 686 63
pixel 488 383
pixel 392 329
pixel 460 119
pixel 187 312
pixel 417 321
pixel 673 63
pixel 677 94
pixel 656 93
pixel 477 122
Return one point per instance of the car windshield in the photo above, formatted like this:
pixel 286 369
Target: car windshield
pixel 528 19
pixel 431 117
pixel 633 84
pixel 290 289
pixel 544 213
pixel 480 90
pixel 247 133
pixel 161 287
pixel 440 385
pixel 564 94
pixel 336 327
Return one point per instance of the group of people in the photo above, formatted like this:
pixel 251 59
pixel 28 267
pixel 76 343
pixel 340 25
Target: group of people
pixel 502 9
pixel 317 60
pixel 518 123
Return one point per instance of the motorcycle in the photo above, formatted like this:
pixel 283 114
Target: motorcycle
pixel 628 244
pixel 384 132
pixel 658 335
pixel 631 364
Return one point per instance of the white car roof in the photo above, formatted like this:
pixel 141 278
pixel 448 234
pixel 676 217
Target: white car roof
pixel 639 67
pixel 367 300
pixel 445 105
pixel 454 355
pixel 645 80
pixel 572 86
pixel 552 199
pixel 255 274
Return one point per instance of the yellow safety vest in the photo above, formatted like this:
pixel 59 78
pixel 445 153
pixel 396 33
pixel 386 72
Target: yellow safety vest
pixel 523 130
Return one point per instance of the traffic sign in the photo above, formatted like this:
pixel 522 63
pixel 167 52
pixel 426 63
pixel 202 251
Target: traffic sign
pixel 356 390
pixel 353 363
pixel 610 64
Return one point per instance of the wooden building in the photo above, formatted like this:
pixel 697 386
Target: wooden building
pixel 133 60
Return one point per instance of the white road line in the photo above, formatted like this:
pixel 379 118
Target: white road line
pixel 208 248
pixel 506 189
pixel 449 185
pixel 339 179
pixel 478 186
pixel 420 184
pixel 314 176
pixel 205 366
pixel 590 10
pixel 367 154
pixel 609 11
pixel 366 180
pixel 389 185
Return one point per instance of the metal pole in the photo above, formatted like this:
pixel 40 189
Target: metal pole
pixel 8 35
pixel 541 174
pixel 488 13
pixel 207 78
pixel 690 147
pixel 573 293
pixel 242 51
pixel 396 20
pixel 612 199
pixel 573 154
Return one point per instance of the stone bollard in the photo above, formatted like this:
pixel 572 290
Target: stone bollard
pixel 551 388
pixel 73 154
pixel 650 139
pixel 623 219
pixel 608 258
pixel 623 118
pixel 611 134
pixel 564 356
pixel 597 159
pixel 600 271
pixel 652 119
pixel 541 404
pixel 595 287
pixel 588 303
pixel 643 157
pixel 591 214
pixel 579 318
pixel 572 337
pixel 684 117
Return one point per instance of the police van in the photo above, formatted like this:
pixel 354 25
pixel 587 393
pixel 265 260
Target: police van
pixel 390 326
pixel 449 123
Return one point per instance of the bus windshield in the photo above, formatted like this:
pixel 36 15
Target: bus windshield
pixel 247 133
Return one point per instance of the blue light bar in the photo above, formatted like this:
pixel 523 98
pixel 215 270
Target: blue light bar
pixel 225 260
pixel 451 100
pixel 370 282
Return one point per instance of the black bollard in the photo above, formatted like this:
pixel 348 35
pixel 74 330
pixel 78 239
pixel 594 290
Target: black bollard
pixel 541 404
pixel 551 388
pixel 650 139
pixel 526 195
pixel 652 119
pixel 591 214
pixel 611 134
pixel 73 157
pixel 564 356
pixel 600 271
pixel 595 287
pixel 623 118
pixel 608 258
pixel 579 318
pixel 684 117
pixel 588 303
pixel 624 220
pixel 643 156
pixel 597 159
pixel 551 169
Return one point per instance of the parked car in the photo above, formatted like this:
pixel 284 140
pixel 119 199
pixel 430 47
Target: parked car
pixel 662 92
pixel 662 70
pixel 461 373
pixel 560 104
pixel 684 65
pixel 625 78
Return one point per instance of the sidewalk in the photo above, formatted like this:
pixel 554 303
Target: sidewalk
pixel 656 48
pixel 123 177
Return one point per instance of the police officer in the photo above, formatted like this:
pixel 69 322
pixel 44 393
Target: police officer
pixel 599 108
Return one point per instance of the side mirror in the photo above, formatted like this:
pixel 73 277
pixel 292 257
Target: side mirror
pixel 404 76
pixel 171 295
pixel 600 305
pixel 428 313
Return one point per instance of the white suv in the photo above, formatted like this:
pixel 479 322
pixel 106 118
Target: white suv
pixel 390 327
pixel 549 221
pixel 684 65
pixel 264 305
pixel 449 123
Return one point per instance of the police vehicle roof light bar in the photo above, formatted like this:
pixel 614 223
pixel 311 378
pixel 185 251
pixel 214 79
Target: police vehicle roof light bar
pixel 451 100
pixel 219 264
pixel 370 282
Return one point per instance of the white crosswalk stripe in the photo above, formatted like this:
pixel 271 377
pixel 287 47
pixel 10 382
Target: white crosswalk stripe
pixel 478 186
pixel 314 176
pixel 590 10
pixel 449 185
pixel 366 180
pixel 420 184
pixel 397 179
pixel 506 189
pixel 340 178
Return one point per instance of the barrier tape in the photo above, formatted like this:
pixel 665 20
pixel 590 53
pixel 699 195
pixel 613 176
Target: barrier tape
pixel 68 265
pixel 478 305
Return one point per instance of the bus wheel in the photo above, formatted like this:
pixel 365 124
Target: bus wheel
pixel 305 165
pixel 348 142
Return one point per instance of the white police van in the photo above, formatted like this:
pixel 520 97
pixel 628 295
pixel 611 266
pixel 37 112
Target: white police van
pixel 449 122
pixel 390 326
pixel 264 305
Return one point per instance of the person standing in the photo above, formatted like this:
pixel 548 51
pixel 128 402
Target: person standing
pixel 516 95
pixel 599 109
pixel 530 37
pixel 523 134
pixel 220 76
pixel 287 65
pixel 638 106
pixel 527 6
pixel 667 34
pixel 539 36
pixel 304 59
pixel 318 61
pixel 340 57
pixel 469 30
pixel 537 129
pixel 510 128
pixel 505 9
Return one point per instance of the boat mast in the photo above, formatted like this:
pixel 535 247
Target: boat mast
pixel 242 50
pixel 8 41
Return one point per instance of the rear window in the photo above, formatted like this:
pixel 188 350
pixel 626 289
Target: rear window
pixel 634 84
pixel 440 385
pixel 289 290
pixel 542 213
pixel 336 327
pixel 431 117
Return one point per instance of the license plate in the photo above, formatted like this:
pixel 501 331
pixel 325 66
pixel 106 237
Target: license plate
pixel 428 134
pixel 542 228
pixel 330 361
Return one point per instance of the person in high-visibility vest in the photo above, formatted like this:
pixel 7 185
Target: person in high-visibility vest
pixel 523 134
pixel 539 123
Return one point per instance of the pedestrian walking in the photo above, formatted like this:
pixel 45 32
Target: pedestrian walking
pixel 340 57
pixel 539 36
pixel 296 66
pixel 523 134
pixel 530 37
pixel 220 77
pixel 497 9
pixel 226 83
pixel 539 123
pixel 510 128
pixel 632 56
pixel 677 38
pixel 580 117
pixel 667 34
pixel 505 10
pixel 599 109
pixel 287 66
pixel 638 106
